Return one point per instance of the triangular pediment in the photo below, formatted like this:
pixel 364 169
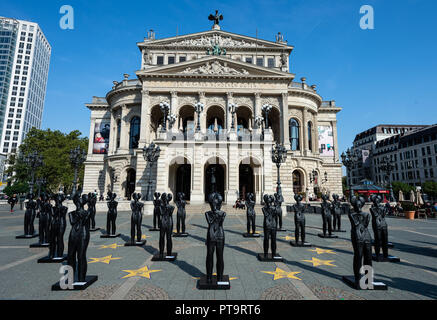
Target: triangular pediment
pixel 210 38
pixel 215 66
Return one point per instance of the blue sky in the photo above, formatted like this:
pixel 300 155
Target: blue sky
pixel 385 75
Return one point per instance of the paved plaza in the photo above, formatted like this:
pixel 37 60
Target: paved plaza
pixel 305 273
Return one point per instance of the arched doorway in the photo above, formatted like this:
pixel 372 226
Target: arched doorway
pixel 156 120
pixel 246 180
pixel 216 168
pixel 179 177
pixel 297 182
pixel 215 120
pixel 130 183
pixel 244 120
pixel 186 120
pixel 275 124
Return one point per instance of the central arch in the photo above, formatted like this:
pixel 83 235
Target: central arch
pixel 215 119
pixel 130 183
pixel 214 167
pixel 179 177
pixel 249 178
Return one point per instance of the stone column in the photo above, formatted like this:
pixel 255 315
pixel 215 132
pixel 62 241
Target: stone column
pixel 229 99
pixel 284 116
pixel 334 133
pixel 232 169
pixel 316 135
pixel 305 132
pixel 91 139
pixel 124 134
pixel 197 195
pixel 113 135
pixel 145 119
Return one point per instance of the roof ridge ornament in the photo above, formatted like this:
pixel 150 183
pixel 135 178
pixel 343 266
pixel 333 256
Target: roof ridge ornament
pixel 216 18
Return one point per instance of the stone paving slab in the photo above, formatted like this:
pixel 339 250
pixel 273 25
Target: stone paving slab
pixel 306 273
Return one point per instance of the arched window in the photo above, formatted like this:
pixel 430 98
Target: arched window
pixel 293 126
pixel 134 135
pixel 310 136
pixel 118 133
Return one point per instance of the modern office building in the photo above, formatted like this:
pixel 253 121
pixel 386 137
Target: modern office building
pixel 24 66
pixel 218 69
pixel 412 148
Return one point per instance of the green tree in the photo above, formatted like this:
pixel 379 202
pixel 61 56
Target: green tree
pixel 54 146
pixel 430 188
pixel 405 187
pixel 344 184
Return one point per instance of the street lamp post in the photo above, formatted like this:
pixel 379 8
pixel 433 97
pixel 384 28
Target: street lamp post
pixel 387 167
pixel 165 108
pixel 349 160
pixel 199 106
pixel 171 120
pixel 77 157
pixel 40 182
pixel 33 160
pixel 279 155
pixel 266 108
pixel 151 155
pixel 233 110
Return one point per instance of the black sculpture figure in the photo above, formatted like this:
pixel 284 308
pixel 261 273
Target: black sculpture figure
pixel 327 218
pixel 44 215
pixel 250 215
pixel 165 230
pixel 299 222
pixel 380 231
pixel 92 200
pixel 156 212
pixel 29 218
pixel 136 221
pixel 78 241
pixel 361 241
pixel 336 213
pixel 270 226
pixel 215 241
pixel 111 216
pixel 278 200
pixel 181 215
pixel 56 234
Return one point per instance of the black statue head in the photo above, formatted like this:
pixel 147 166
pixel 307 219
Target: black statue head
pixel 169 197
pixel 266 199
pixel 109 194
pixel 250 196
pixel 271 199
pixel 215 201
pixel 376 199
pixel 76 200
pixel 157 195
pixel 325 197
pixel 298 198
pixel 84 200
pixel 113 196
pixel 357 203
pixel 335 197
pixel 164 198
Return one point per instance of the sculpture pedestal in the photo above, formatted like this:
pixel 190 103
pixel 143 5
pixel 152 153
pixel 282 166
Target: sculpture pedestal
pixel 89 280
pixel 300 244
pixel 95 229
pixel 281 230
pixel 338 230
pixel 39 245
pixel 180 235
pixel 388 259
pixel 27 236
pixel 52 260
pixel 321 235
pixel 350 281
pixel 108 236
pixel 202 284
pixel 153 229
pixel 268 257
pixel 135 244
pixel 389 244
pixel 251 235
pixel 164 257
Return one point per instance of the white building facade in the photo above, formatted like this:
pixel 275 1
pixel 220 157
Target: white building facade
pixel 29 56
pixel 216 68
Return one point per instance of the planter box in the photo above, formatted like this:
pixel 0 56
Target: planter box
pixel 410 214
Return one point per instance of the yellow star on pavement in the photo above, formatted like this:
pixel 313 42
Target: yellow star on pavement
pixel 111 246
pixel 141 272
pixel 279 274
pixel 214 274
pixel 320 251
pixel 144 237
pixel 106 259
pixel 316 262
pixel 288 238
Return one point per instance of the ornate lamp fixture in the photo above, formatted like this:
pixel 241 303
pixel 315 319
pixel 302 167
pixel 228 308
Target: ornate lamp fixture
pixel 349 160
pixel 151 155
pixel 77 157
pixel 171 119
pixel 233 110
pixel 279 155
pixel 33 160
pixel 266 108
pixel 387 166
pixel 199 106
pixel 165 108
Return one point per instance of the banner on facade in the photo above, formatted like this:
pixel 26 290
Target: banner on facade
pixel 365 154
pixel 326 141
pixel 101 137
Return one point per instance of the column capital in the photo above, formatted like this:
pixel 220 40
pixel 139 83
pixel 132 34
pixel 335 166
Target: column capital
pixel 201 95
pixel 229 95
pixel 257 95
pixel 174 94
pixel 145 93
